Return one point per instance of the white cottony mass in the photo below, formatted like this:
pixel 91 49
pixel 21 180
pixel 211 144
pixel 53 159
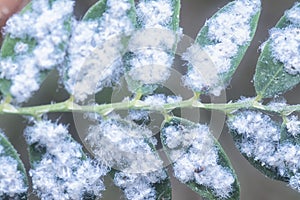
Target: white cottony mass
pixel 127 145
pixel 96 49
pixel 285 42
pixel 261 141
pixel 12 184
pixel 153 44
pixel 195 158
pixel 44 36
pixel 63 171
pixel 227 31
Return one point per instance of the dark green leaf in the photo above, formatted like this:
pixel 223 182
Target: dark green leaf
pixel 124 166
pixel 164 190
pixel 8 45
pixel 138 86
pixel 96 13
pixel 36 155
pixel 267 171
pixel 7 50
pixel 270 77
pixel 270 164
pixel 223 160
pixel 10 151
pixel 203 40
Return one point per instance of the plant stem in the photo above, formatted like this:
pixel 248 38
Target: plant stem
pixel 105 109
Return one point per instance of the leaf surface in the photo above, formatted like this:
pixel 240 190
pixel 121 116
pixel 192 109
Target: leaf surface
pixel 223 161
pixel 203 39
pixel 270 78
pixel 10 152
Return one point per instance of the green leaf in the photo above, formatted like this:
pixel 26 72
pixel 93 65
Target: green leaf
pixel 96 14
pixel 184 127
pixel 7 50
pixel 176 15
pixel 267 171
pixel 163 188
pixel 10 151
pixel 265 143
pixel 270 78
pixel 9 43
pixel 37 152
pixel 203 40
pixel 136 85
pixel 137 163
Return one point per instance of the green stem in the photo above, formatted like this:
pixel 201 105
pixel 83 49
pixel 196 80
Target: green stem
pixel 105 109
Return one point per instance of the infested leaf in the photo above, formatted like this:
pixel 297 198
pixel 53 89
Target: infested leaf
pixel 187 145
pixel 8 52
pixel 57 158
pixel 131 153
pixel 134 84
pixel 7 151
pixel 271 77
pixel 222 44
pixel 266 144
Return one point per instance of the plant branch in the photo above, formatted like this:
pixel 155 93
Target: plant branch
pixel 104 109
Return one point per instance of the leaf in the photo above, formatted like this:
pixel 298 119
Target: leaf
pixel 56 157
pixel 267 171
pixel 204 40
pixel 181 128
pixel 137 85
pixel 130 151
pixel 96 11
pixel 270 78
pixel 8 50
pixel 164 189
pixel 10 151
pixel 266 144
pixel 102 34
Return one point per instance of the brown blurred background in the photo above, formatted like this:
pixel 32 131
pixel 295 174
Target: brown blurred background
pixel 254 186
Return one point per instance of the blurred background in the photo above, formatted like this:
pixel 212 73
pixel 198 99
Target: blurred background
pixel 193 15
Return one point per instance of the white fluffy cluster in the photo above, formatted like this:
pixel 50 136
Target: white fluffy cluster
pixel 261 141
pixel 285 42
pixel 293 125
pixel 260 135
pixel 228 31
pixel 140 186
pixel 63 172
pixel 202 73
pixel 11 180
pixel 195 158
pixel 96 49
pixel 150 66
pixel 278 105
pixel 137 115
pixel 158 100
pixel 155 14
pixel 153 44
pixel 124 145
pixel 293 14
pixel 46 35
pixel 295 182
